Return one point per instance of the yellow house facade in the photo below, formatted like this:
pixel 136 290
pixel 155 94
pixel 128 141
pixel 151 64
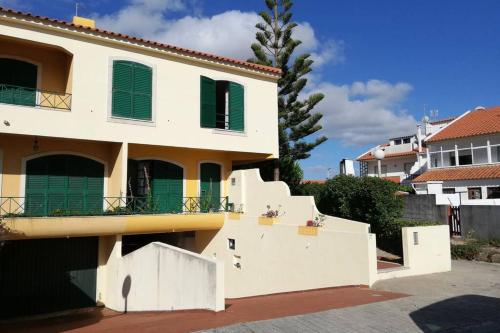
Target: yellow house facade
pixel 104 135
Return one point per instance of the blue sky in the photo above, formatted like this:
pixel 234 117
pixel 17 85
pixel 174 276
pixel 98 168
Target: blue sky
pixel 378 62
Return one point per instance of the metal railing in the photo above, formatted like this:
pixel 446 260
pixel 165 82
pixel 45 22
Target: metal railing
pixel 17 95
pixel 61 205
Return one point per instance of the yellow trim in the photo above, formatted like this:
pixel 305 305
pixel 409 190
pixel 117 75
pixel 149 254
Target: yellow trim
pixel 233 216
pixel 307 231
pixel 43 227
pixel 85 22
pixel 267 220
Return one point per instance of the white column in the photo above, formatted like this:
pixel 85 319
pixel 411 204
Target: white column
pixel 124 162
pixel 488 149
pixel 456 156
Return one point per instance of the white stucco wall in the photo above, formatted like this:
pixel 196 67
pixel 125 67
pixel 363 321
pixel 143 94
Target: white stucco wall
pixel 277 258
pixel 176 97
pixel 160 277
pixel 431 254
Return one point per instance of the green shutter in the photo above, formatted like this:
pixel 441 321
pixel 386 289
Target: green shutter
pixel 17 82
pixel 132 90
pixel 210 180
pixel 166 187
pixel 207 102
pixel 122 89
pixel 236 107
pixel 143 85
pixel 64 183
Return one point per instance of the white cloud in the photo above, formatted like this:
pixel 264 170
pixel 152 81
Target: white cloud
pixel 229 33
pixel 365 112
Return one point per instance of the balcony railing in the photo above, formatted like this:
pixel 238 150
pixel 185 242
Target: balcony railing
pixel 17 95
pixel 92 206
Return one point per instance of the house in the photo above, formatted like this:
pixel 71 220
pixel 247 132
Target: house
pixel 463 159
pixel 404 157
pixel 123 132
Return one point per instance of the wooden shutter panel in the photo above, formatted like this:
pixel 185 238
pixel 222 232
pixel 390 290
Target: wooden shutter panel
pixel 143 84
pixel 236 107
pixel 207 102
pixel 210 179
pixel 122 89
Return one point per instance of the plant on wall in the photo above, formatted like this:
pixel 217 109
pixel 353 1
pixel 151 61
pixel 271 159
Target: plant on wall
pixel 273 213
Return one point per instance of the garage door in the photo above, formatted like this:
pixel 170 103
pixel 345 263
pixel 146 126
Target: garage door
pixel 64 185
pixel 47 275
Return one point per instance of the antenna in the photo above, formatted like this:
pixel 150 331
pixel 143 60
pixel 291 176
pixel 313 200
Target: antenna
pixel 76 8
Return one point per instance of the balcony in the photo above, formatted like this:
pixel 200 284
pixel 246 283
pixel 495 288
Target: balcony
pixel 11 207
pixel 120 216
pixel 16 95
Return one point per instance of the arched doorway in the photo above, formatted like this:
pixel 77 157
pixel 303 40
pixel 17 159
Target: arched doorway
pixel 64 185
pixel 158 184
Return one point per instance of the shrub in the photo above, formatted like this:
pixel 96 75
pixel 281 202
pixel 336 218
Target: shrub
pixel 367 199
pixel 467 251
pixel 313 189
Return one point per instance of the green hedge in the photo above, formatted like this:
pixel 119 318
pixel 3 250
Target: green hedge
pixel 468 251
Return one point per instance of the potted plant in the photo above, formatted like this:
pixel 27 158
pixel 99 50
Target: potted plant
pixel 270 216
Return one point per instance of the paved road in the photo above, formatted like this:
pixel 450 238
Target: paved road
pixel 467 299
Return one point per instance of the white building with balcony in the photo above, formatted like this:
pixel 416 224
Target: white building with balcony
pixel 404 157
pixel 463 159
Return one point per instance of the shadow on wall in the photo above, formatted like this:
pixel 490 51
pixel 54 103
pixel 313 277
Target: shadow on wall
pixel 467 313
pixel 127 284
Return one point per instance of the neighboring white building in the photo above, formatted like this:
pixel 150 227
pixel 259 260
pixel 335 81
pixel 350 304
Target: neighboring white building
pixel 404 157
pixel 474 138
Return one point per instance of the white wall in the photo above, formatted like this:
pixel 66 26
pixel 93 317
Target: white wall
pixel 431 254
pixel 277 258
pixel 160 277
pixel 176 100
pixel 395 166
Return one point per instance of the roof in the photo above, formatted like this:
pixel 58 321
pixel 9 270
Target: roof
pixel 314 181
pixel 473 123
pixel 460 173
pixel 369 157
pixel 394 179
pixel 166 47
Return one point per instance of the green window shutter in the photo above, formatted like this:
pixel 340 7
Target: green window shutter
pixel 132 90
pixel 122 89
pixel 236 107
pixel 143 86
pixel 166 187
pixel 207 102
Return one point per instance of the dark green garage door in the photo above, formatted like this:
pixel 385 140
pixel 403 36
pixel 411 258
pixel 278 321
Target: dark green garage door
pixel 47 275
pixel 64 184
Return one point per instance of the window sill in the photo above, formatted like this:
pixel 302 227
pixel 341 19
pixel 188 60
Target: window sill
pixel 131 121
pixel 228 132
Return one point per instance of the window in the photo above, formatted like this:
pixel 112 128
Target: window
pixel 480 155
pixel 474 193
pixel 449 158
pixel 449 190
pixel 406 140
pixel 464 157
pixel 221 104
pixel 383 170
pixel 493 192
pixel 132 90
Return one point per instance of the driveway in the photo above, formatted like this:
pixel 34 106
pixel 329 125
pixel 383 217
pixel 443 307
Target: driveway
pixel 467 299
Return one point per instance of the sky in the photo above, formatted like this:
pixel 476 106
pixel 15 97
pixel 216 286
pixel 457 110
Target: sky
pixel 382 65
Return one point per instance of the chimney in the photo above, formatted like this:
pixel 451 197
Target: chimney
pixel 84 22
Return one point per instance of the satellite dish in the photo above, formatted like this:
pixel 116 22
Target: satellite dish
pixel 425 119
pixel 379 154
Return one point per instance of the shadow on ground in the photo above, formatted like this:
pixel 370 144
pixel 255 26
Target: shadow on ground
pixel 467 313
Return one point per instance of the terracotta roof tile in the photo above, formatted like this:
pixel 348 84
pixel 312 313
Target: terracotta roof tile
pixel 477 122
pixel 394 179
pixel 185 51
pixel 440 121
pixel 460 173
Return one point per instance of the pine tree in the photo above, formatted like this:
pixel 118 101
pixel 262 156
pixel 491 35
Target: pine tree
pixel 275 47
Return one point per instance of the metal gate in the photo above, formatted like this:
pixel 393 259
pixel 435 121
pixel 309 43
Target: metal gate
pixel 47 275
pixel 454 221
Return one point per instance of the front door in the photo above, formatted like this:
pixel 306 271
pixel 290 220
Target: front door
pixel 17 82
